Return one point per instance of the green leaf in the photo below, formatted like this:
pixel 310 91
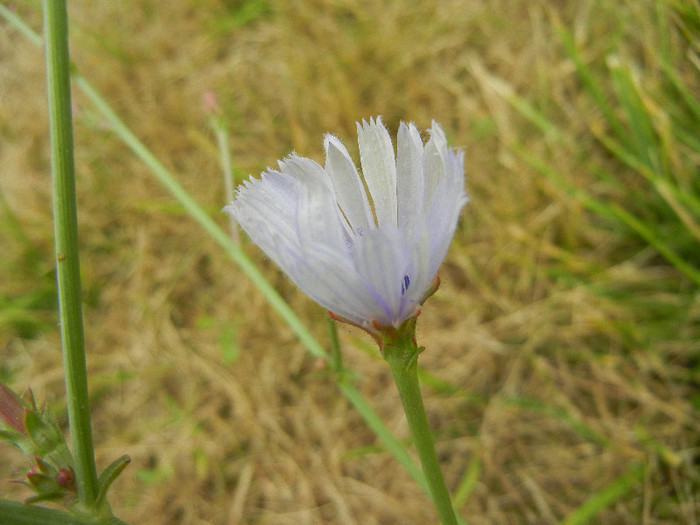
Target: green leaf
pixel 108 476
pixel 14 513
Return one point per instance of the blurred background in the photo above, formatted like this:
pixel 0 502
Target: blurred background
pixel 562 362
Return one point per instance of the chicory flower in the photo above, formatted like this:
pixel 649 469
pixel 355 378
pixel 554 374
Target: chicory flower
pixel 367 247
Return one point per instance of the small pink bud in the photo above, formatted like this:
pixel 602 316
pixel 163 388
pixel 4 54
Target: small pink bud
pixel 66 479
pixel 211 106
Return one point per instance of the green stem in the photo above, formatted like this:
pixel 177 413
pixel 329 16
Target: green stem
pixel 402 357
pixel 66 239
pixel 221 132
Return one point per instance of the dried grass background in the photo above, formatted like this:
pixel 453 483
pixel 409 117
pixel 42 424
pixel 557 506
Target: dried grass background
pixel 547 394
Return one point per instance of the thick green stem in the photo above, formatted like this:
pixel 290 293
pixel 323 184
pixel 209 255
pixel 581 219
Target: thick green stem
pixel 402 357
pixel 66 239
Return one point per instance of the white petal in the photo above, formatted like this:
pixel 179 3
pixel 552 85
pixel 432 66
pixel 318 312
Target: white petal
pixel 347 184
pixel 434 165
pixel 379 168
pixel 438 135
pixel 409 176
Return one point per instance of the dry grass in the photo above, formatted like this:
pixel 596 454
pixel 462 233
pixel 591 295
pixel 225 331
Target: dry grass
pixel 566 349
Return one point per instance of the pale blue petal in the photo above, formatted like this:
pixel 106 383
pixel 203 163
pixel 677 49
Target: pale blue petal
pixel 419 273
pixel 318 219
pixel 446 203
pixel 382 258
pixel 332 282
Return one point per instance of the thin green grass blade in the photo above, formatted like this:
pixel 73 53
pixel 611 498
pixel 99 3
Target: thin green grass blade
pixel 561 414
pixel 588 78
pixel 546 126
pixel 641 130
pixel 506 91
pixel 469 481
pixel 597 206
pixel 220 128
pixel 689 138
pixel 602 499
pixel 612 211
pixel 681 202
pixel 643 154
pixel 389 441
pixel 17 22
pixel 687 96
pixel 663 248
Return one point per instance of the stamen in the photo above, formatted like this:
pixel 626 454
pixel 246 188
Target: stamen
pixel 405 284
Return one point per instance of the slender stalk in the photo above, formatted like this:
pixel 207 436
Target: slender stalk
pixel 221 131
pixel 66 239
pixel 402 357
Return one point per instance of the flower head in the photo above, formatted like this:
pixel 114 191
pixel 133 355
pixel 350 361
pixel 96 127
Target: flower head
pixel 366 247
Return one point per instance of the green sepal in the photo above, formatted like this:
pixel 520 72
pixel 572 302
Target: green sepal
pixel 42 483
pixel 45 496
pixel 44 438
pixel 44 433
